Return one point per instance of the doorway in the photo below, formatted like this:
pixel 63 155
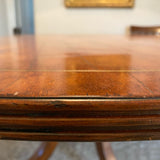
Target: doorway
pixel 24 16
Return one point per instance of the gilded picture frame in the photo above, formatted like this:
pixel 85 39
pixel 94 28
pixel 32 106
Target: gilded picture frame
pixel 99 3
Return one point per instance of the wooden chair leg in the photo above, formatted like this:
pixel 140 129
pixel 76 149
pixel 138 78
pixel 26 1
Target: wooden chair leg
pixel 105 151
pixel 44 151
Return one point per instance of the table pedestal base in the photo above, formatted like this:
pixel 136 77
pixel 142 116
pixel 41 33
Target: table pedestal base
pixel 46 149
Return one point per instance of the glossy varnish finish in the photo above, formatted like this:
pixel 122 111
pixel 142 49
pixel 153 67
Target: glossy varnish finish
pixel 80 88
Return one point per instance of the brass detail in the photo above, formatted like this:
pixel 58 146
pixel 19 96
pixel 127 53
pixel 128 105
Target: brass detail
pixel 99 3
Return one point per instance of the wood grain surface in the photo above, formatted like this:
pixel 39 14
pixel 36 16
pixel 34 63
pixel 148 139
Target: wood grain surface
pixel 80 88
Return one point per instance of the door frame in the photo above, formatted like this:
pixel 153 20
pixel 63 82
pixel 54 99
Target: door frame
pixel 24 10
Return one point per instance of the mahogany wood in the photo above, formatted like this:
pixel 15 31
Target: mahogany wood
pixel 100 152
pixel 80 88
pixel 138 30
pixel 105 151
pixel 44 151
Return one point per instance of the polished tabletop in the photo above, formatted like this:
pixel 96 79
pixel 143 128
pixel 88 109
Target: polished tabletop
pixel 80 66
pixel 72 82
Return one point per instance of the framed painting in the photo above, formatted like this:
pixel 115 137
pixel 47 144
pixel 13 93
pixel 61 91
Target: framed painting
pixel 99 3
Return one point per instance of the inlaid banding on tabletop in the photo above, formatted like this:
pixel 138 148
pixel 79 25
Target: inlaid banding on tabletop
pixel 85 71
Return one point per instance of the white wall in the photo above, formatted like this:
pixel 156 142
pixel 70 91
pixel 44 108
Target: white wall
pixel 3 19
pixel 11 17
pixel 7 17
pixel 51 17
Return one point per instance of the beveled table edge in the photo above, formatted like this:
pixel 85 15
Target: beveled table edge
pixel 79 118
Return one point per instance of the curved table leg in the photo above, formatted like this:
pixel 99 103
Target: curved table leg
pixel 105 151
pixel 44 151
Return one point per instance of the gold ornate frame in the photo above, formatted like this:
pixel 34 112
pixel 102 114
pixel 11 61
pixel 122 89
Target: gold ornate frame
pixel 99 3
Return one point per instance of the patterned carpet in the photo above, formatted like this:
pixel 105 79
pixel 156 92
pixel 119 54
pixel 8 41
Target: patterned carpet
pixel 20 150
